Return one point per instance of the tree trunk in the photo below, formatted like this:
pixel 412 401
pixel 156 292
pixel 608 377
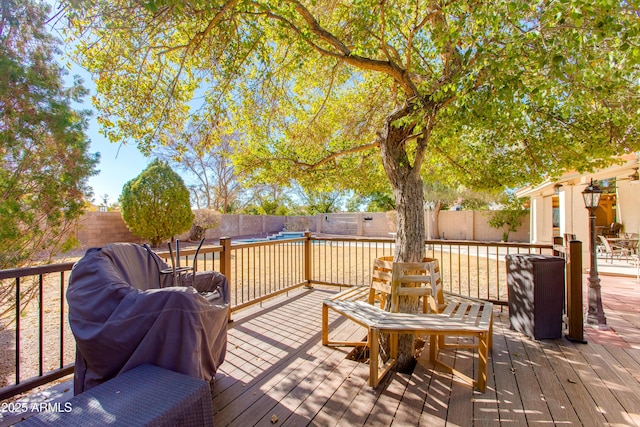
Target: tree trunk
pixel 408 192
pixel 435 232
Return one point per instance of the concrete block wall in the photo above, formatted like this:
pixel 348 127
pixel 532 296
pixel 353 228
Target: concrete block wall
pixel 473 225
pixel 232 225
pixel 375 224
pixel 338 223
pixel 455 225
pixel 101 228
pixel 300 223
pixel 97 229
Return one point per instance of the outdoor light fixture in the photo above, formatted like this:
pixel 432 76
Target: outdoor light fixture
pixel 595 314
pixel 556 189
pixel 591 196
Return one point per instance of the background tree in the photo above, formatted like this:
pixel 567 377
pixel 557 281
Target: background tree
pixel 268 199
pixel 314 202
pixel 441 195
pixel 44 159
pixel 203 220
pixel 155 204
pixel 376 201
pixel 482 93
pixel 105 199
pixel 203 151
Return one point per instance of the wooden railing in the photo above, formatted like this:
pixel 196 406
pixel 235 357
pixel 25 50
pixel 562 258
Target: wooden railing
pixel 37 346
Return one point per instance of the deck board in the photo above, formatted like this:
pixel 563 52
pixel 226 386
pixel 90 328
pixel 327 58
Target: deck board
pixel 533 401
pixel 278 373
pixel 510 409
pixel 611 409
pixel 462 393
pixel 570 383
pixel 553 395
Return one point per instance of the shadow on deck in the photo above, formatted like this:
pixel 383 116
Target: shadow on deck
pixel 278 373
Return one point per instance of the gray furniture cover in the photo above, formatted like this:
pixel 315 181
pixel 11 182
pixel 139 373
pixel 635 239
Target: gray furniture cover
pixel 124 313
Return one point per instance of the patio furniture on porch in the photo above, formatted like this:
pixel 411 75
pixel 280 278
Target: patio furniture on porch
pixel 611 248
pixel 463 318
pixel 124 312
pixel 384 291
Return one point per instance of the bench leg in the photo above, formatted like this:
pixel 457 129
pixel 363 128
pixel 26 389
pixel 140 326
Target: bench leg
pixel 433 348
pixel 374 343
pixel 393 346
pixel 483 357
pixel 375 372
pixel 484 345
pixel 325 324
pixel 325 332
pixel 491 334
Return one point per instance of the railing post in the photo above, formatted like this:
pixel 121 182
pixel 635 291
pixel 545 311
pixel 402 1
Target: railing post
pixel 307 259
pixel 574 291
pixel 225 257
pixel 225 264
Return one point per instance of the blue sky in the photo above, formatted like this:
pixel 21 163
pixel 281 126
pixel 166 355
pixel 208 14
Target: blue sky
pixel 119 163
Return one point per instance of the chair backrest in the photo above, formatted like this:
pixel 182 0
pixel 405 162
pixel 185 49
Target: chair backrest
pixel 420 279
pixel 615 228
pixel 391 280
pixel 136 265
pixel 380 286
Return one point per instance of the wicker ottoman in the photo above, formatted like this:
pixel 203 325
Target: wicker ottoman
pixel 145 396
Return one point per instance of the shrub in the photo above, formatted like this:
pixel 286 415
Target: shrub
pixel 155 204
pixel 509 218
pixel 203 220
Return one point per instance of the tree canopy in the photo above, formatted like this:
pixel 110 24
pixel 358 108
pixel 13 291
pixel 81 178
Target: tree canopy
pixel 44 159
pixel 486 94
pixel 155 204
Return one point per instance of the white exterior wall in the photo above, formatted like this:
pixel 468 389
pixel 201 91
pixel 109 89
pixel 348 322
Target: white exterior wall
pixel 628 213
pixel 541 219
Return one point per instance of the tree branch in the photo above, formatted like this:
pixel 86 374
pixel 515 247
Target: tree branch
pixel 388 67
pixel 331 157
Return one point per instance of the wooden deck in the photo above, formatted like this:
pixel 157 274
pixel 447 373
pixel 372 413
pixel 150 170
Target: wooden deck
pixel 278 373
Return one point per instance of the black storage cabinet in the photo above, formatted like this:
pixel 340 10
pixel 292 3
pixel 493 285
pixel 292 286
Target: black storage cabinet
pixel 535 285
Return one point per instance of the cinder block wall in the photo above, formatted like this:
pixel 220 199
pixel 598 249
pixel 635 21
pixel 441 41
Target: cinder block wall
pixel 473 225
pixel 97 229
pixel 245 225
pixel 100 228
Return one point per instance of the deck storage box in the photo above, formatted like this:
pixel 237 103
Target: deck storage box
pixel 535 285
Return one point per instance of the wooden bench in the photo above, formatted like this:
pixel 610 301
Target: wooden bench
pixel 460 317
